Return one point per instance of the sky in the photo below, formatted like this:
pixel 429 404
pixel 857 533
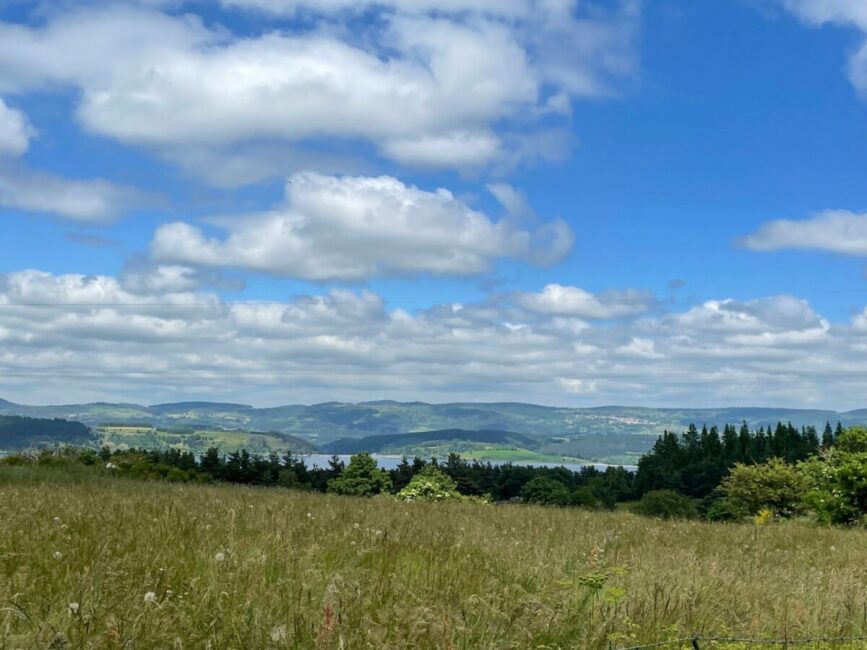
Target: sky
pixel 566 202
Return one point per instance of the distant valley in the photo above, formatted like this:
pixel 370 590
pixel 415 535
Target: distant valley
pixel 503 430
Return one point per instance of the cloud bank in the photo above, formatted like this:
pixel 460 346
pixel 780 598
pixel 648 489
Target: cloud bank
pixel 103 337
pixel 356 228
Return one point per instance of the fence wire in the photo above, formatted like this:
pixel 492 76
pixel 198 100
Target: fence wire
pixel 697 641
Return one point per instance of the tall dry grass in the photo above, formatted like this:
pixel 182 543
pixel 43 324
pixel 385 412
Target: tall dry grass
pixel 120 564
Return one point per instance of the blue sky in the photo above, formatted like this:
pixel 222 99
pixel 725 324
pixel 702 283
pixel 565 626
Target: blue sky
pixel 578 203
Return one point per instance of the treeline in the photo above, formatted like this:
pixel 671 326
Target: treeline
pixel 547 485
pixel 695 463
pixel 731 474
pixel 17 432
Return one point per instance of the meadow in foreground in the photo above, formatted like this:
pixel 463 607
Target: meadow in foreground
pixel 110 563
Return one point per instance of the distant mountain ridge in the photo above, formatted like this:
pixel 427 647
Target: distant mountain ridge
pixel 615 434
pixel 397 440
pixel 329 421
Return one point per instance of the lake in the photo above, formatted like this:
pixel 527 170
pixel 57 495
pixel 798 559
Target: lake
pixel 391 462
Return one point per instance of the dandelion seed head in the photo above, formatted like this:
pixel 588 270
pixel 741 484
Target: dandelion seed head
pixel 150 597
pixel 219 557
pixel 278 634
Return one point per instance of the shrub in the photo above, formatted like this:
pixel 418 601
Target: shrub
pixel 836 485
pixel 430 485
pixel 854 440
pixel 775 485
pixel 666 504
pixel 545 491
pixel 583 497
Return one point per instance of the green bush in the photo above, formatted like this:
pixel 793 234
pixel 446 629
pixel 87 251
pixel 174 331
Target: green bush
pixel 583 497
pixel 430 484
pixel 666 504
pixel 837 486
pixel 854 440
pixel 545 491
pixel 776 486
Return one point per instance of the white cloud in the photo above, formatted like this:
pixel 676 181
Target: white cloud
pixel 33 191
pixel 556 299
pixel 836 231
pixel 773 322
pixel 86 201
pixel 850 13
pixel 350 228
pixel 99 337
pixel 427 87
pixel 15 131
pixel 819 12
pixel 512 9
pixel 639 347
pixel 461 149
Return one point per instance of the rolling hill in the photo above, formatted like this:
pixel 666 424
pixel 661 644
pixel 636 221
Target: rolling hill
pixel 608 433
pixel 401 441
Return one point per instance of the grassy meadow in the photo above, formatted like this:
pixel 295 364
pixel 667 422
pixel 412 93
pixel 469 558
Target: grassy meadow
pixel 89 561
pixel 196 440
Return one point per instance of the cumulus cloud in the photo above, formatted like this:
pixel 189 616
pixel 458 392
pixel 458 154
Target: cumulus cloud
pixel 104 338
pixel 291 7
pixel 86 201
pixel 15 131
pixel 819 12
pixel 850 13
pixel 352 228
pixel 556 299
pixel 33 191
pixel 426 85
pixel 836 231
pixel 773 322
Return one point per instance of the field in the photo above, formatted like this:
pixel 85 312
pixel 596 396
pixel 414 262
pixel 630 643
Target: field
pixel 519 456
pixel 197 440
pixel 97 562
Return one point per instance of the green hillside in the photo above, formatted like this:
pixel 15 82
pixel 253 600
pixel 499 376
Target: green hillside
pixel 608 434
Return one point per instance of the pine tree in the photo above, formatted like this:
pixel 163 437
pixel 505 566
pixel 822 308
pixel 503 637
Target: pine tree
pixel 827 436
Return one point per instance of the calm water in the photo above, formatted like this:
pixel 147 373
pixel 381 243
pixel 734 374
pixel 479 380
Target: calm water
pixel 390 462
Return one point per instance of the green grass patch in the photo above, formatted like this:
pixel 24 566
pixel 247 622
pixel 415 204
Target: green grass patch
pixel 520 455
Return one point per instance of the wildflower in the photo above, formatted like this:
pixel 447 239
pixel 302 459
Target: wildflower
pixel 219 557
pixel 58 555
pixel 110 466
pixel 278 634
pixel 355 526
pixel 310 515
pixel 73 609
pixel 150 597
pixel 764 517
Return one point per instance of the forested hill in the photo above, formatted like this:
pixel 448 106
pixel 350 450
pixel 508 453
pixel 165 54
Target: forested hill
pixel 397 442
pixel 330 421
pixel 324 423
pixel 21 432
